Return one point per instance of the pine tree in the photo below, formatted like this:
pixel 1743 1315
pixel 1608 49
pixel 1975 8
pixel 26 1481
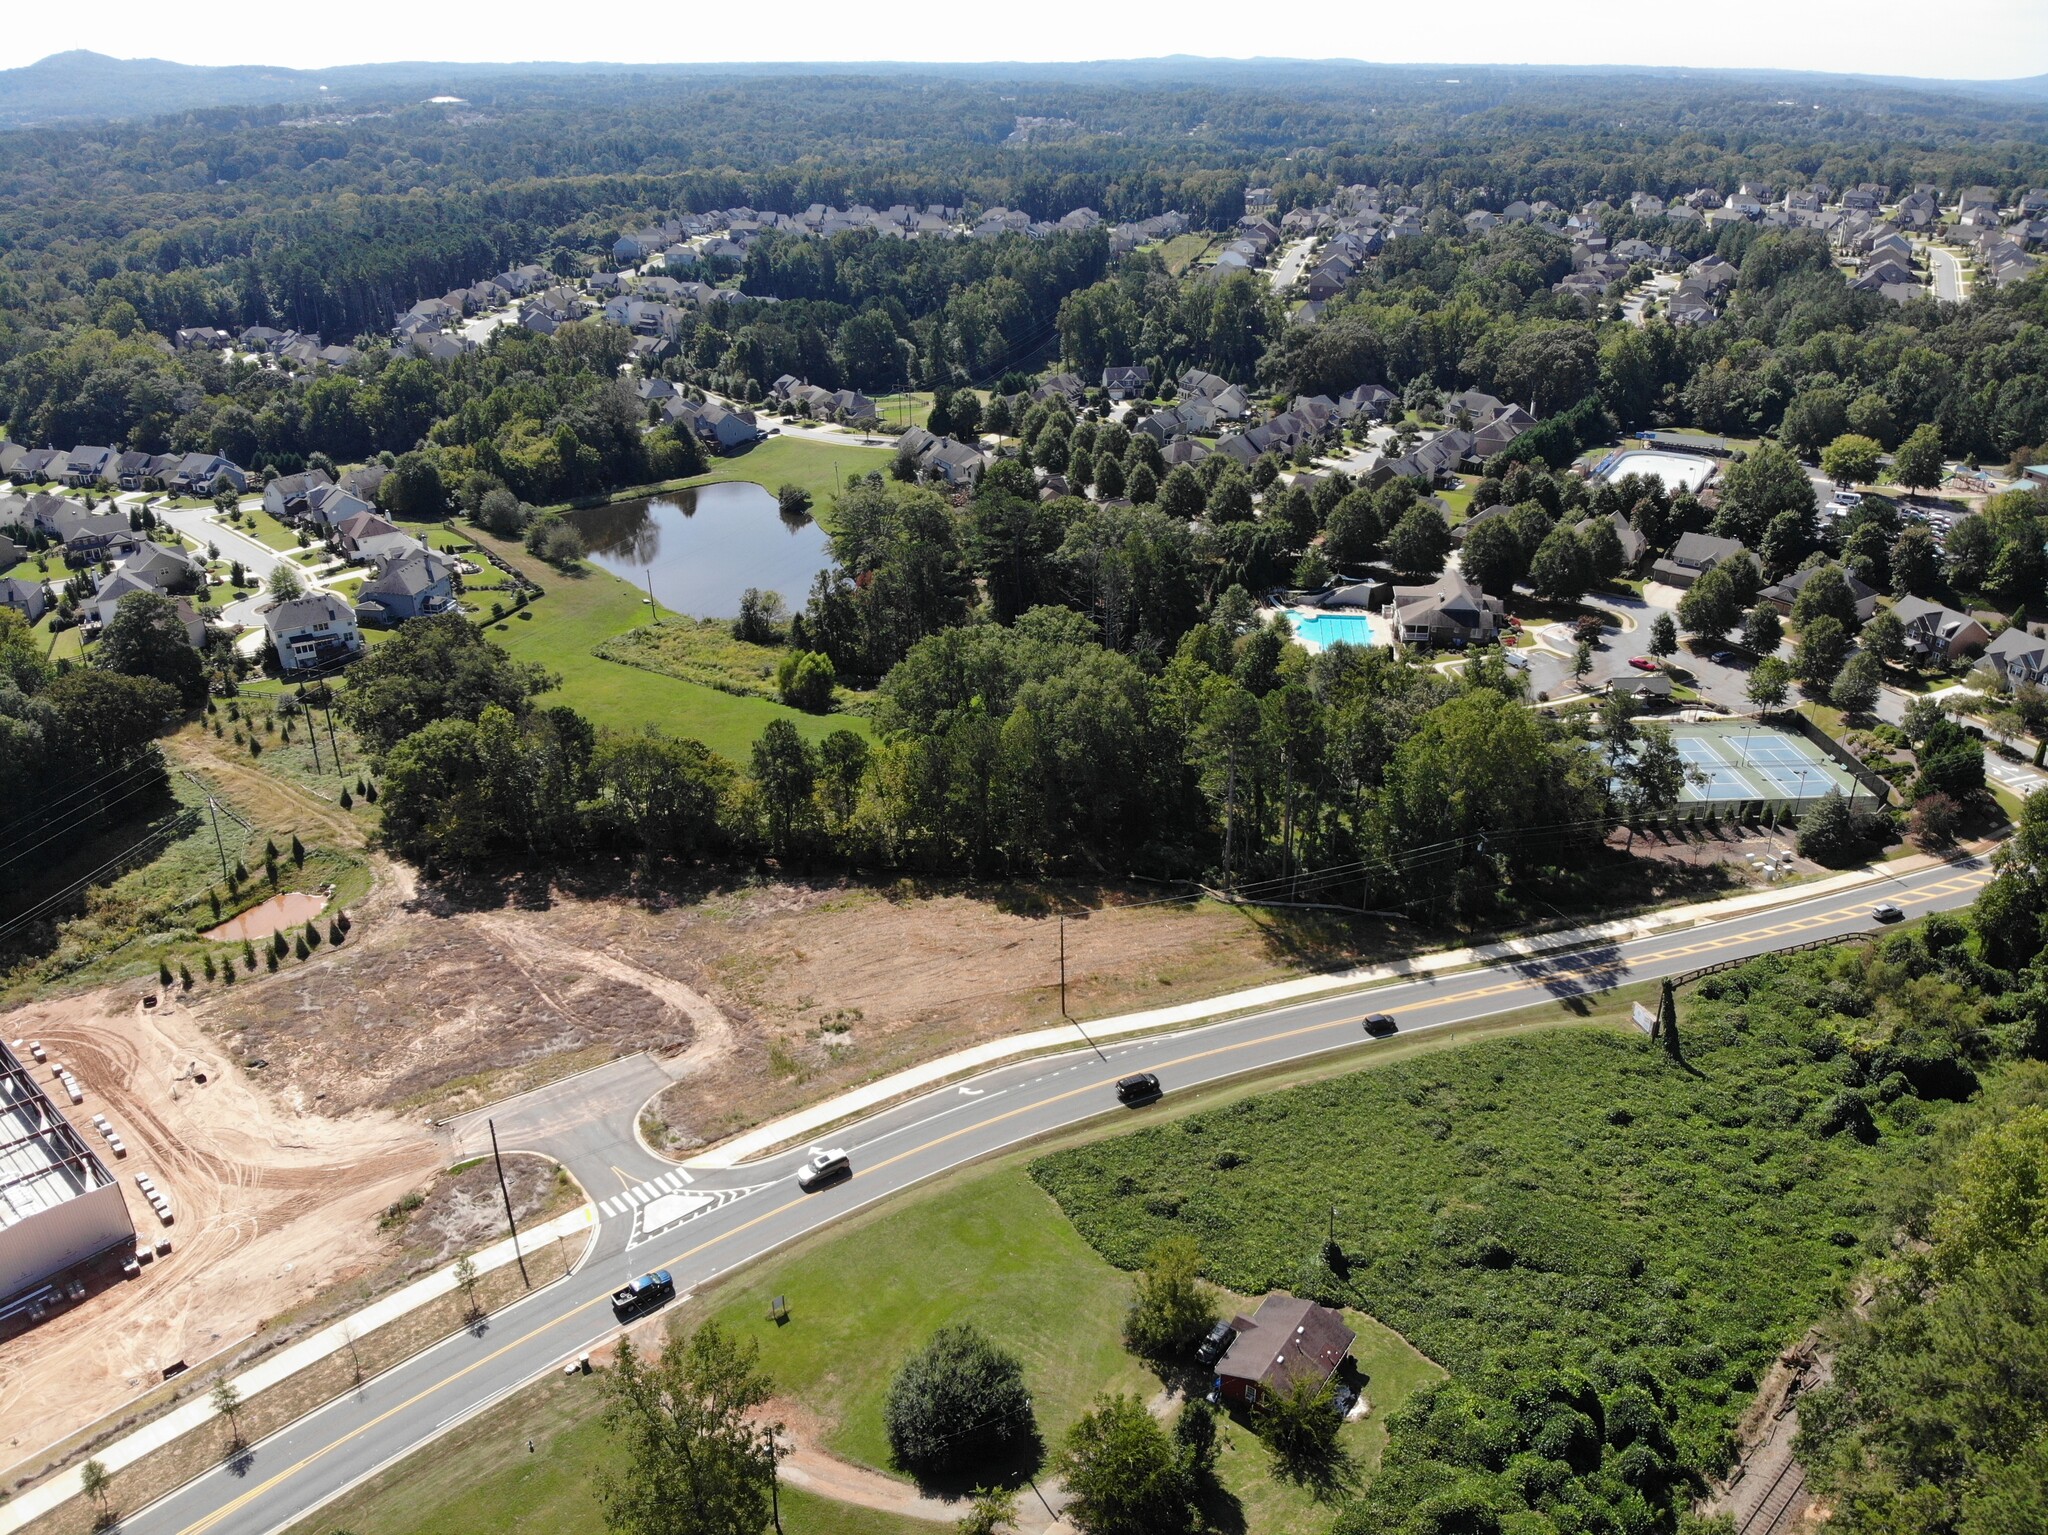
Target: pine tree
pixel 184 977
pixel 298 851
pixel 312 936
pixel 299 947
pixel 347 803
pixel 248 955
pixel 334 931
pixel 206 964
pixel 163 974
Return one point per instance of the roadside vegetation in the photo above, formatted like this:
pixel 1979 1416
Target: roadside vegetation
pixel 1573 1223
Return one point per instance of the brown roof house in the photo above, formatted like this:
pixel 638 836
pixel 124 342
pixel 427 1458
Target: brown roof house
pixel 1286 1342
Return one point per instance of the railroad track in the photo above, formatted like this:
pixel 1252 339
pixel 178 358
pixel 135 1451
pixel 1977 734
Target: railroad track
pixel 1775 1509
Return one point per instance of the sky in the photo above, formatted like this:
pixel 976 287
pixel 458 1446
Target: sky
pixel 1958 39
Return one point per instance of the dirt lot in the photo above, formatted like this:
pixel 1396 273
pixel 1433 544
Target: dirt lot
pixel 271 1206
pixel 761 996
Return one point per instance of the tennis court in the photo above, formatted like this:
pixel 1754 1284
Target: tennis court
pixel 1741 761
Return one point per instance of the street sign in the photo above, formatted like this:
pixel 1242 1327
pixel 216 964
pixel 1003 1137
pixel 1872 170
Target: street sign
pixel 1645 1019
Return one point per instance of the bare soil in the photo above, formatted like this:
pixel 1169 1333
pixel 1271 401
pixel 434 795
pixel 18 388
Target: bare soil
pixel 272 1206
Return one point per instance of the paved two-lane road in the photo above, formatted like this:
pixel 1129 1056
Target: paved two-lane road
pixel 715 1221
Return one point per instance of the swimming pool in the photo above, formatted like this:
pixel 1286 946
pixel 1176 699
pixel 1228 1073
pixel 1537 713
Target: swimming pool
pixel 1316 629
pixel 1678 471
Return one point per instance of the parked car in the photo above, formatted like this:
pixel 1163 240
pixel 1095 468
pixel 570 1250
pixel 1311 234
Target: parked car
pixel 643 1294
pixel 1138 1087
pixel 1380 1025
pixel 1211 1348
pixel 1723 658
pixel 823 1169
pixel 1884 911
pixel 1644 663
pixel 1518 662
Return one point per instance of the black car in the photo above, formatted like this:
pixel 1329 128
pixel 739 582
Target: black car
pixel 643 1294
pixel 1211 1348
pixel 1138 1087
pixel 1380 1025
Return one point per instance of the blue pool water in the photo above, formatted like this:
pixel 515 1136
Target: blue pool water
pixel 1317 630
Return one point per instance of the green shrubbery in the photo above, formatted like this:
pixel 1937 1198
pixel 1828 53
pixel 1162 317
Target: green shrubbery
pixel 1573 1225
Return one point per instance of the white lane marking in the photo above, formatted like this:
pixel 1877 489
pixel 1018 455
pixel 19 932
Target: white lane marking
pixel 972 1092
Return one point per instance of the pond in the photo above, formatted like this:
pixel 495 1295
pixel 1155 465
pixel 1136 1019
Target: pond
pixel 703 547
pixel 294 908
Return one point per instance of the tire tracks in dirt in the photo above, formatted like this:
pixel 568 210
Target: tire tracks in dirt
pixel 524 946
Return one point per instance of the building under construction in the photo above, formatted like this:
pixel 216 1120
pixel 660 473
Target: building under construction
pixel 59 1206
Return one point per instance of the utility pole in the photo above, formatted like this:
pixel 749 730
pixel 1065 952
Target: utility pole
pixel 653 611
pixel 213 811
pixel 1063 966
pixel 331 741
pixel 502 1189
pixel 312 727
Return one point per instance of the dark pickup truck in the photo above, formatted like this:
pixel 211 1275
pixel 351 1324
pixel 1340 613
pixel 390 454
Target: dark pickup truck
pixel 643 1294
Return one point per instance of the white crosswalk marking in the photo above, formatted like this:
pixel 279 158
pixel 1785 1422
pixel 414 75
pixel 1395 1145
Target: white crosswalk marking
pixel 609 1206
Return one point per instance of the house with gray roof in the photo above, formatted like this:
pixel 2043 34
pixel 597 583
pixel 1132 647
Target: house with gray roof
pixel 28 598
pixel 1939 633
pixel 416 585
pixel 313 633
pixel 1694 555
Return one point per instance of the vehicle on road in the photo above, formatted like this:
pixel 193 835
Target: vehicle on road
pixel 821 1170
pixel 643 1295
pixel 1211 1348
pixel 1380 1025
pixel 1519 663
pixel 1138 1087
pixel 1849 498
pixel 1643 663
pixel 1884 911
pixel 1723 658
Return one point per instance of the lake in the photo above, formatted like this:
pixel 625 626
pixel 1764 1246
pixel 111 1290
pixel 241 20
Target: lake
pixel 705 546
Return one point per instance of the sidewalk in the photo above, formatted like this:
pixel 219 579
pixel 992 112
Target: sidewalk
pixel 286 1362
pixel 808 1122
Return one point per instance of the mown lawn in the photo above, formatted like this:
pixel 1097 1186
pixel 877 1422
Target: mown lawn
pixel 819 467
pixel 480 1479
pixel 584 609
pixel 989 1248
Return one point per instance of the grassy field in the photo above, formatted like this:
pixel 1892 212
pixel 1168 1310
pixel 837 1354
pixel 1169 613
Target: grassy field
pixel 153 902
pixel 583 610
pixel 985 1246
pixel 1183 251
pixel 819 467
pixel 1564 1201
pixel 481 1480
pixel 703 650
pixel 990 1249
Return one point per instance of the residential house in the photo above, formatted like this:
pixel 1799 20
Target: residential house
pixel 1694 555
pixel 196 474
pixel 88 466
pixel 1450 611
pixel 941 458
pixel 2018 655
pixel 1633 545
pixel 26 598
pixel 1937 633
pixel 1287 1342
pixel 718 428
pixel 329 506
pixel 1783 594
pixel 39 466
pixel 313 633
pixel 1127 382
pixel 1650 687
pixel 1464 529
pixel 90 535
pixel 167 569
pixel 363 482
pixel 1372 401
pixel 367 536
pixel 419 584
pixel 285 497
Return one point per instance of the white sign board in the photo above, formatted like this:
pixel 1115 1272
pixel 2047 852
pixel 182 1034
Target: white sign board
pixel 1645 1019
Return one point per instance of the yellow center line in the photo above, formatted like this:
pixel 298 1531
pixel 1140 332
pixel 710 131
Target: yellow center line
pixel 1919 897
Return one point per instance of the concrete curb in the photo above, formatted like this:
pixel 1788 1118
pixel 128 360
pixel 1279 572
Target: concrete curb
pixel 779 1133
pixel 281 1366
